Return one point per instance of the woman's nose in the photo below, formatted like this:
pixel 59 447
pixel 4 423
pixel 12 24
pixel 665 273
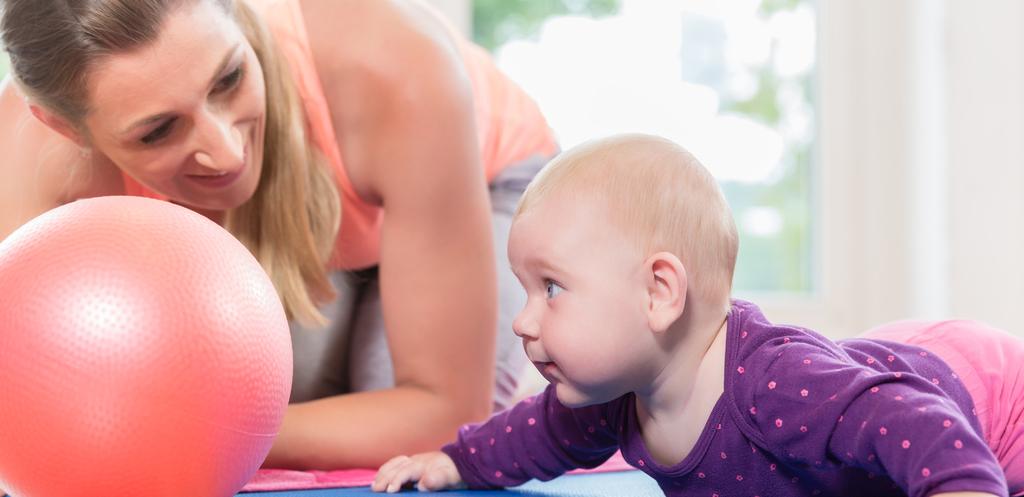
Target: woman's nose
pixel 221 144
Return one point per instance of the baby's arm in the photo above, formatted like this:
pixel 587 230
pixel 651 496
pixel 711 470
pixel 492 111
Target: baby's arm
pixel 538 438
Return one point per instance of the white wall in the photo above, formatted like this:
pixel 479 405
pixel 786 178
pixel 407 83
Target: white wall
pixel 986 148
pixel 922 120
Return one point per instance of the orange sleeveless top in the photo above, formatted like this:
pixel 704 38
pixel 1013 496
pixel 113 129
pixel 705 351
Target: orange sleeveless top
pixel 510 127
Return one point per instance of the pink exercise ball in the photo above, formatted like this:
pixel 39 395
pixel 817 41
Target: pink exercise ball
pixel 144 352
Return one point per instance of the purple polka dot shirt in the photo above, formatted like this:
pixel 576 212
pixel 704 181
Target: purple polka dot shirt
pixel 800 415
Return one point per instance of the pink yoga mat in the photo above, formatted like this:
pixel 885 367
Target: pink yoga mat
pixel 267 480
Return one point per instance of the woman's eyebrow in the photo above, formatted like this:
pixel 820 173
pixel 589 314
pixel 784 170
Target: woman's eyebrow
pixel 213 80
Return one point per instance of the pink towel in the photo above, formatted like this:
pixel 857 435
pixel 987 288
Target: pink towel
pixel 267 480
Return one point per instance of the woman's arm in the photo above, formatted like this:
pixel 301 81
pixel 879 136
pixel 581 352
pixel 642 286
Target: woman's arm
pixel 26 189
pixel 40 169
pixel 407 133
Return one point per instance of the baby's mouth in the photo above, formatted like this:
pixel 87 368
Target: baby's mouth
pixel 547 369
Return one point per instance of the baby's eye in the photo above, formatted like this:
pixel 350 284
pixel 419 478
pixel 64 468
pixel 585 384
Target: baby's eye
pixel 553 289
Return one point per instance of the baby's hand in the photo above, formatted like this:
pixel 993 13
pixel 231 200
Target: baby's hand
pixel 433 471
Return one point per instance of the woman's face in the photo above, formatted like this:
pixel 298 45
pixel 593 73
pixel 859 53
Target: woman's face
pixel 184 115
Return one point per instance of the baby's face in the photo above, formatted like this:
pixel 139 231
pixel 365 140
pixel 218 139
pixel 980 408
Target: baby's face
pixel 584 321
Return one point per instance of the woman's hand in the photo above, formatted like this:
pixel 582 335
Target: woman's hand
pixel 433 470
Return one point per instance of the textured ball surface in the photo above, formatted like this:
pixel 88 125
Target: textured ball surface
pixel 144 352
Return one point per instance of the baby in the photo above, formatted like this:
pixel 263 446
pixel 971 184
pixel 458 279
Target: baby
pixel 626 248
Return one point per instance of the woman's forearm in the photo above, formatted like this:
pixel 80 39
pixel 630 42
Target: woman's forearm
pixel 363 430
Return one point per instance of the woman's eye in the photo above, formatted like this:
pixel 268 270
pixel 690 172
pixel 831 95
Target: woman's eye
pixel 552 288
pixel 228 82
pixel 158 133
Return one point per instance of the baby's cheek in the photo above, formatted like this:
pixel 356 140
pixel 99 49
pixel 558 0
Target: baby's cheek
pixel 595 367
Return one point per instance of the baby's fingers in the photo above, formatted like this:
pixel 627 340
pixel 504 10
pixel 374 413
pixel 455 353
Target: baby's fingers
pixel 387 473
pixel 410 471
pixel 401 472
pixel 391 464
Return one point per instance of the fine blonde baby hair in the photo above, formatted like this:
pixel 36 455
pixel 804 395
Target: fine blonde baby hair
pixel 659 195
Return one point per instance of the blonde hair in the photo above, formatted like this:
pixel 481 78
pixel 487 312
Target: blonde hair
pixel 659 195
pixel 51 65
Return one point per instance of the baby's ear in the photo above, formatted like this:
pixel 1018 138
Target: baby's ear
pixel 666 290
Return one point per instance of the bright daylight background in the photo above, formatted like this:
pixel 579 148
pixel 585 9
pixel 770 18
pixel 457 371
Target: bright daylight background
pixel 872 150
pixel 731 81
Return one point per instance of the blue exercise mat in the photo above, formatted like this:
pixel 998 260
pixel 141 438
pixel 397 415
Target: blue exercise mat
pixel 618 484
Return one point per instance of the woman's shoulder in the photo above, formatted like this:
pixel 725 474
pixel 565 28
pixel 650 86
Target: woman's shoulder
pixel 40 169
pixel 383 40
pixel 384 66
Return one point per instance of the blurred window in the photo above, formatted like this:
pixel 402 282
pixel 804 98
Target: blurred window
pixel 731 81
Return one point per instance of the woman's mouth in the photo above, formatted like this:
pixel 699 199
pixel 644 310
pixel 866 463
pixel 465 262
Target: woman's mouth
pixel 219 180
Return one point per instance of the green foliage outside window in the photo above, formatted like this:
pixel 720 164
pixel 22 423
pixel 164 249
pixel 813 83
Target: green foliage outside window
pixel 782 263
pixel 498 21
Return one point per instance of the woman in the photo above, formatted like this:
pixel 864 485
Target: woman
pixel 270 117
